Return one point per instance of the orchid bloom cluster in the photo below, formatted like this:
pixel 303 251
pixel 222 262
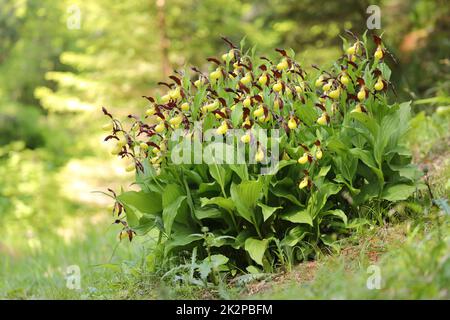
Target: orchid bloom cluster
pixel 242 91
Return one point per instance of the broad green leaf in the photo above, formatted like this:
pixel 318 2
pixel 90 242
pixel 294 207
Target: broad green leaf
pixel 171 193
pixel 339 178
pixel 335 144
pixel 280 165
pixel 338 213
pixel 208 213
pixel 346 164
pixel 369 123
pixel 367 158
pixel 253 270
pixel 398 192
pixel 318 199
pixel 267 211
pixel 218 260
pixel 368 191
pixel 181 238
pixel 385 71
pixel 236 115
pixel 146 223
pixel 240 239
pixel 146 179
pixel 300 216
pixel 296 234
pixel 208 187
pixel 256 249
pixel 218 172
pixel 324 170
pixel 193 177
pixel 284 189
pixel 330 241
pixel 245 196
pixel 137 204
pixel 222 241
pixel 170 212
pixel 209 122
pixel 211 263
pixel 409 171
pixel 307 112
pixel 225 203
pixel 240 170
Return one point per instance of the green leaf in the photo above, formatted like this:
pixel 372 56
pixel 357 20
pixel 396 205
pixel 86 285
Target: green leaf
pixel 236 115
pixel 409 171
pixel 240 170
pixel 210 263
pixel 218 260
pixel 280 165
pixel 339 178
pixel 204 269
pixel 267 211
pixel 300 216
pixel 245 196
pixel 256 249
pixel 137 204
pixel 367 158
pixel 218 172
pixel 225 203
pixel 171 193
pixel 385 71
pixel 345 165
pixel 146 223
pixel 307 112
pixel 318 199
pixel 252 270
pixel 323 171
pixel 338 213
pixel 398 192
pixel 222 241
pixel 284 189
pixel 368 122
pixel 181 238
pixel 240 239
pixel 208 187
pixel 193 177
pixel 209 213
pixel 330 241
pixel 170 212
pixel 295 235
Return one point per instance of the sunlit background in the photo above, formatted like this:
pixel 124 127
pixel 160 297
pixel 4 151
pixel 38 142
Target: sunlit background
pixel 61 61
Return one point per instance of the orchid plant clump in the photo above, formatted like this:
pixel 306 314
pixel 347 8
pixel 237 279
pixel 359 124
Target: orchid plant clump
pixel 339 147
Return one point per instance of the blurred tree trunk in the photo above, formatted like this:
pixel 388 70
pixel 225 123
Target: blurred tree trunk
pixel 164 39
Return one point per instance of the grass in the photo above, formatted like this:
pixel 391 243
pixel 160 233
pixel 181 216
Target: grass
pixel 52 224
pixel 412 264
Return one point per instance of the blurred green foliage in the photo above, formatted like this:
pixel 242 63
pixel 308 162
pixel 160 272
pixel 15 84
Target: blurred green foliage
pixel 18 123
pixel 122 48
